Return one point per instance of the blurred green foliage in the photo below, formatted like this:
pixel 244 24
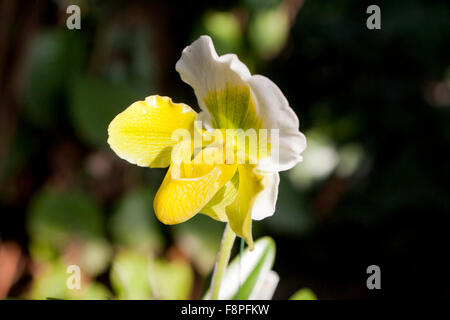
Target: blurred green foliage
pixel 58 220
pixel 136 275
pixel 199 238
pixel 50 283
pixel 93 104
pixel 372 188
pixel 134 225
pixel 53 55
pixel 56 216
pixel 130 276
pixel 268 32
pixel 304 294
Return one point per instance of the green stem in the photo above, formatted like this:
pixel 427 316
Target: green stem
pixel 222 261
pixel 241 250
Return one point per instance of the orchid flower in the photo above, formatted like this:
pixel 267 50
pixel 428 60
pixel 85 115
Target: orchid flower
pixel 237 188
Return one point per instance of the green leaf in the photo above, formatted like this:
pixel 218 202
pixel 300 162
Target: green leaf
pixel 304 294
pixel 268 31
pixel 53 56
pixel 56 217
pixel 224 28
pixel 95 291
pixel 257 5
pixel 199 239
pixel 172 280
pixel 93 105
pixel 136 275
pixel 95 256
pixel 251 271
pixel 50 282
pixel 60 221
pixel 135 212
pixel 130 275
pixel 138 70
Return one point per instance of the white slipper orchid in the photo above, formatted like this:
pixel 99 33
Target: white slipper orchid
pixel 230 98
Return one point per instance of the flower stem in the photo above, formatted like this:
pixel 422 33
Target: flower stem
pixel 222 261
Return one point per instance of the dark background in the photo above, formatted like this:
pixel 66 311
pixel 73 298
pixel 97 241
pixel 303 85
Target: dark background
pixel 373 104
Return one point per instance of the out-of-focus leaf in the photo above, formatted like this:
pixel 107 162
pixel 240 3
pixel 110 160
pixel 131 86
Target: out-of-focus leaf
pixel 172 279
pixel 94 103
pixel 304 294
pixel 136 275
pixel 225 31
pixel 292 217
pixel 95 291
pixel 138 69
pixel 199 239
pixel 249 270
pixel 57 216
pixel 130 275
pixel 268 32
pixel 61 221
pixel 54 58
pixel 50 281
pixel 95 256
pixel 134 223
pixel 256 5
pixel 320 160
pixel 350 158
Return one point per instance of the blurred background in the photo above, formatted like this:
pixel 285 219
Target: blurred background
pixel 373 187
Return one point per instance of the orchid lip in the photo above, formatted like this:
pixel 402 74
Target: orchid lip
pixel 229 97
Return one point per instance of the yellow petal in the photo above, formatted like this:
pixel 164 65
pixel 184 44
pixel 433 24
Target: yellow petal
pixel 142 134
pixel 187 188
pixel 239 145
pixel 239 213
pixel 215 208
